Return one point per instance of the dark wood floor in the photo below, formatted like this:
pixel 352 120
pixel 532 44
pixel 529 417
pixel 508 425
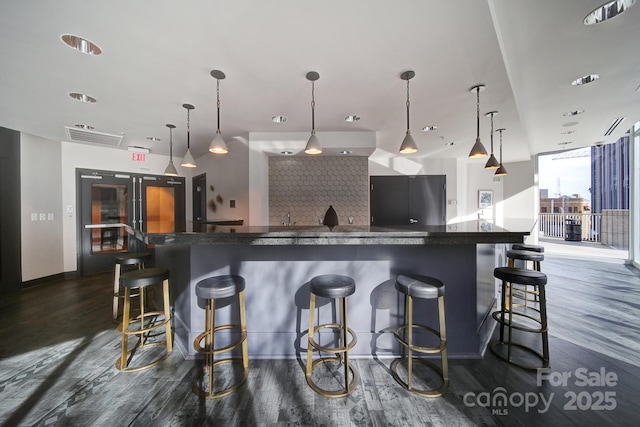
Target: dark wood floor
pixel 58 347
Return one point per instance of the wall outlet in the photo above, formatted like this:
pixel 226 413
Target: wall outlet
pixel 50 216
pixel 34 216
pixel 43 216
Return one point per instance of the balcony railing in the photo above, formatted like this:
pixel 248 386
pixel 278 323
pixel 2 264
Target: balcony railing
pixel 554 225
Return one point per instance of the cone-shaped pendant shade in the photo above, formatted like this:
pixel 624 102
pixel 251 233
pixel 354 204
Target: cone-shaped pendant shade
pixel 477 150
pixel 501 171
pixel 171 169
pixel 492 163
pixel 218 146
pixel 313 145
pixel 188 161
pixel 408 145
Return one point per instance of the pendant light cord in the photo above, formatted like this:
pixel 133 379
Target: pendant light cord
pixel 500 146
pixel 170 144
pixel 218 98
pixel 188 130
pixel 492 133
pixel 478 113
pixel 408 104
pixel 313 108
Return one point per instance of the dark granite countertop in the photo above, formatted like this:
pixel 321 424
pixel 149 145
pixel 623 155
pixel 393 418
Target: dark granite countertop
pixel 470 232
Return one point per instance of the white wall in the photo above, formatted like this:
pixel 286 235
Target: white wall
pixel 521 199
pixel 41 195
pixel 229 175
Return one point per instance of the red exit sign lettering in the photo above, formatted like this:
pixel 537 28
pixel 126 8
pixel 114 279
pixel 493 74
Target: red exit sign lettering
pixel 139 157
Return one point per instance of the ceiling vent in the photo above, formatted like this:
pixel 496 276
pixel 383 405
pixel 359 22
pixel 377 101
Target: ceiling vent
pixel 614 125
pixel 93 137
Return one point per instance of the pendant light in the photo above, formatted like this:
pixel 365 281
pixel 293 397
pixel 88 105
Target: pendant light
pixel 492 163
pixel 188 160
pixel 313 145
pixel 408 145
pixel 478 149
pixel 171 169
pixel 218 146
pixel 501 171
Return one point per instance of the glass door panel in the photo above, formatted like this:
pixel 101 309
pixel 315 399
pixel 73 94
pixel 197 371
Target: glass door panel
pixel 109 205
pixel 161 216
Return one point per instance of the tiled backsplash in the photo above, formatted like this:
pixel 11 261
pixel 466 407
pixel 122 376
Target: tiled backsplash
pixel 306 186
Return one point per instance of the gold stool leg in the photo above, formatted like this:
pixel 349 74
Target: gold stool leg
pixel 443 342
pixel 243 330
pixel 344 340
pixel 116 291
pixel 311 333
pixel 125 328
pixel 167 315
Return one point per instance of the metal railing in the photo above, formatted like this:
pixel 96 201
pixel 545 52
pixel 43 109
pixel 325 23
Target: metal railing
pixel 555 225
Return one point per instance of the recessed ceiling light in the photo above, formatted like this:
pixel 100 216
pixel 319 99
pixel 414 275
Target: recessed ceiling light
pixel 82 97
pixel 429 128
pixel 82 45
pixel 346 152
pixel 153 138
pixel 608 11
pixel 585 79
pixel 573 113
pixel 565 143
pixel 81 126
pixel 278 119
pixel 450 143
pixel 352 118
pixel 286 153
pixel 567 132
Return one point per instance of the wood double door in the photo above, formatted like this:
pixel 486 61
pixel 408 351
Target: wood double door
pixel 106 199
pixel 408 200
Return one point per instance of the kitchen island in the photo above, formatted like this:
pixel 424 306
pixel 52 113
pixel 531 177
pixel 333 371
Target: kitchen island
pixel 278 263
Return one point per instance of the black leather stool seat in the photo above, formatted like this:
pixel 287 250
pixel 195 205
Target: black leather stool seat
pixel 133 258
pixel 525 255
pixel 145 277
pixel 526 247
pixel 419 286
pixel 333 286
pixel 520 276
pixel 219 287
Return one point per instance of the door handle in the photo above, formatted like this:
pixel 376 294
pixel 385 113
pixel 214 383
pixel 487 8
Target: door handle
pixel 412 221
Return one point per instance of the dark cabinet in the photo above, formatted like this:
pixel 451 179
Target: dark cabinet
pixel 403 200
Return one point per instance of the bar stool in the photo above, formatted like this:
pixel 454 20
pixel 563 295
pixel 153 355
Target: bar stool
pixel 210 290
pixel 339 287
pixel 417 286
pixel 133 259
pixel 145 325
pixel 529 318
pixel 527 247
pixel 525 255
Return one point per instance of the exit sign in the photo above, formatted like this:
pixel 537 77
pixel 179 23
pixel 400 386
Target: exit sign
pixel 139 157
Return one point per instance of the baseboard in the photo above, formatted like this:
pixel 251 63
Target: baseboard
pixel 43 280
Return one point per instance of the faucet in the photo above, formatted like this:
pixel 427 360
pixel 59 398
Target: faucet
pixel 288 221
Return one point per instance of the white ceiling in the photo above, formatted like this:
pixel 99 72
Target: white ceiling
pixel 157 55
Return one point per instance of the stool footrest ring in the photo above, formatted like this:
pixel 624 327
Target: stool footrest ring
pixel 314 344
pixel 347 390
pixel 195 387
pixel 494 348
pixel 428 393
pixel 419 349
pixel 197 346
